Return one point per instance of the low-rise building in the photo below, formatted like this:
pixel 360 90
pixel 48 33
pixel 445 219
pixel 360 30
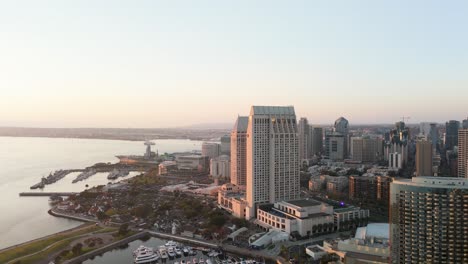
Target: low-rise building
pixel 166 167
pixel 346 218
pixel 302 218
pixel 192 162
pixel 232 199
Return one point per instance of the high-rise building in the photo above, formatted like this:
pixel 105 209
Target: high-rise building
pixel 335 146
pixel 383 188
pixel 428 220
pixel 210 149
pixel 397 142
pixel 316 135
pixel 463 153
pixel 465 123
pixel 272 156
pixel 424 158
pixel 451 134
pixel 226 145
pixel 239 152
pixel 304 139
pixel 365 149
pixel 342 126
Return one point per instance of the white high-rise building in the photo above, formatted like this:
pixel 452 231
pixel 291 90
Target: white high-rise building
pixel 272 156
pixel 239 151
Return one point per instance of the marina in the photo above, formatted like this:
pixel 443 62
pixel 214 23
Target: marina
pixel 155 250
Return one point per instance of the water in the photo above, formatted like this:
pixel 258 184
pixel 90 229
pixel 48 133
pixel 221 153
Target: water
pixel 23 161
pixel 125 255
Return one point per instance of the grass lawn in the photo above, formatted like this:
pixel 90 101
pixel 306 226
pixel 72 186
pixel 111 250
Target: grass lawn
pixel 43 243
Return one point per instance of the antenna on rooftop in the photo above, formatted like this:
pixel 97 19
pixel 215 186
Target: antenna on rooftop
pixel 404 118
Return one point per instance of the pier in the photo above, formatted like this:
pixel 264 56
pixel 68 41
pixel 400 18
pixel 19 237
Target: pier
pixel 47 193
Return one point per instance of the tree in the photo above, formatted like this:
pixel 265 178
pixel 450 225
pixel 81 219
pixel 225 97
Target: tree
pixel 123 229
pixel 101 216
pixel 76 249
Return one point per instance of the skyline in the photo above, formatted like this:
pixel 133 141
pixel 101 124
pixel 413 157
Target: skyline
pixel 149 65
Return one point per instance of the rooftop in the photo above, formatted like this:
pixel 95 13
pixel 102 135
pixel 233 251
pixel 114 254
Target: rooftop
pixel 272 110
pixel 303 202
pixel 434 182
pixel 241 124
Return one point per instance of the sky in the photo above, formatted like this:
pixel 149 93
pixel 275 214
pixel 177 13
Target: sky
pixel 176 63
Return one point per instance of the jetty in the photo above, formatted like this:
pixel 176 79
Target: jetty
pixel 84 175
pixel 47 193
pixel 53 177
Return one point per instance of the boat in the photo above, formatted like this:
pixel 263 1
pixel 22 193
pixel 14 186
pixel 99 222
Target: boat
pixel 201 261
pixel 163 252
pixel 145 255
pixel 188 262
pixel 178 251
pixel 171 243
pixel 177 262
pixel 171 252
pixel 185 250
pixel 208 261
pixel 195 261
pixel 213 254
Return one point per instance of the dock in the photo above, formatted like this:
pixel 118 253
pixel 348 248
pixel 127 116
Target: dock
pixel 47 193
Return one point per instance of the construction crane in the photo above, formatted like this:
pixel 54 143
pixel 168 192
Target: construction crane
pixel 405 118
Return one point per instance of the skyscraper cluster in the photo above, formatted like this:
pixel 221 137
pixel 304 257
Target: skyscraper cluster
pixel 310 139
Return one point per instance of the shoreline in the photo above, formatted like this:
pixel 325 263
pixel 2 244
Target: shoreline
pixel 105 138
pixel 192 241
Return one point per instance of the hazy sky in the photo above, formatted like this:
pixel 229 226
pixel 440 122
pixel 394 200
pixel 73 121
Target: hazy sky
pixel 174 63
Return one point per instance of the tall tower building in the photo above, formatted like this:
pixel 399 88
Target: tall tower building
pixel 316 135
pixel 272 156
pixel 365 149
pixel 424 158
pixel 239 152
pixel 451 134
pixel 463 153
pixel 225 145
pixel 342 126
pixel 304 139
pixel 428 220
pixel 465 123
pixel 335 146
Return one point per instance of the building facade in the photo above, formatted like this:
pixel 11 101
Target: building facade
pixel 428 220
pixel 272 156
pixel 395 161
pixel 424 158
pixel 366 149
pixel 211 149
pixel 451 134
pixel 225 147
pixel 304 139
pixel 316 135
pixel 342 126
pixel 363 187
pixel 220 167
pixel 239 152
pixel 463 153
pixel 335 146
pixel 303 217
